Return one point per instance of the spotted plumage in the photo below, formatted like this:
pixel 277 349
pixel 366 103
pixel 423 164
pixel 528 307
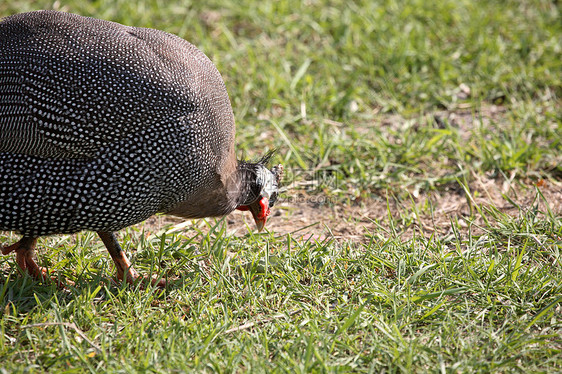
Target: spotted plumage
pixel 103 125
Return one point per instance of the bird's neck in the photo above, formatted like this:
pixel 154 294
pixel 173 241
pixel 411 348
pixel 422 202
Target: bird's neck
pixel 231 189
pixel 239 186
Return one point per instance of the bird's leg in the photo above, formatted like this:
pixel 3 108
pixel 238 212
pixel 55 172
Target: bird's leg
pixel 125 270
pixel 24 256
pixel 122 263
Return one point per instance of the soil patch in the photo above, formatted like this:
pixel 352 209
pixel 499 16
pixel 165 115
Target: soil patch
pixel 315 217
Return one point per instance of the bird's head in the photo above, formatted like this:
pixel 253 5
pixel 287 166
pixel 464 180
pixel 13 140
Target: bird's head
pixel 262 190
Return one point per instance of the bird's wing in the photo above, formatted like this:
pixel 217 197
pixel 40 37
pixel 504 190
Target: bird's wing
pixel 70 86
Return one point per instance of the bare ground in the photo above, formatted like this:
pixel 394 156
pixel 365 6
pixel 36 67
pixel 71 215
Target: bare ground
pixel 429 213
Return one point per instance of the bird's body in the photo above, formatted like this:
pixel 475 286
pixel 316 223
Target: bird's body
pixel 103 125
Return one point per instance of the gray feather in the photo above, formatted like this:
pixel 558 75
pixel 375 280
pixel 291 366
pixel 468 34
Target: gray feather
pixel 103 125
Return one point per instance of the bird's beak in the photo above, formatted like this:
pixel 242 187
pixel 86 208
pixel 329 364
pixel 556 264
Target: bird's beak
pixel 260 212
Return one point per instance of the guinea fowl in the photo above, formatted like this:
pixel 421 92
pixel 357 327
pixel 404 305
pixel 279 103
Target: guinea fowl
pixel 103 125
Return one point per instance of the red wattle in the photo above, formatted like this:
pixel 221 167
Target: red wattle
pixel 264 205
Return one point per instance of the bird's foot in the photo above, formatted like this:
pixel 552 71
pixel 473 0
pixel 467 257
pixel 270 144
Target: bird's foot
pixel 24 258
pixel 161 283
pixel 125 270
pixel 132 277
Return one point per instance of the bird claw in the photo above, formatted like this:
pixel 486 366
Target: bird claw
pixel 24 258
pixel 24 249
pixel 143 281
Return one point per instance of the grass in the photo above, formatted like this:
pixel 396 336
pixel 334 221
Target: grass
pixel 409 107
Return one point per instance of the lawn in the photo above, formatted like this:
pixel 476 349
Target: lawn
pixel 420 226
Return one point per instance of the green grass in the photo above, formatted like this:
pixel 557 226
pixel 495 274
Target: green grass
pixel 372 96
pixel 464 302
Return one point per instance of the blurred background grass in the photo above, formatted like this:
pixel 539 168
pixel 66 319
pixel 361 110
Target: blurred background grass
pixel 290 66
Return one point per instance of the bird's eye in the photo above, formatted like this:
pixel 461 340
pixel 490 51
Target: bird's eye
pixel 272 199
